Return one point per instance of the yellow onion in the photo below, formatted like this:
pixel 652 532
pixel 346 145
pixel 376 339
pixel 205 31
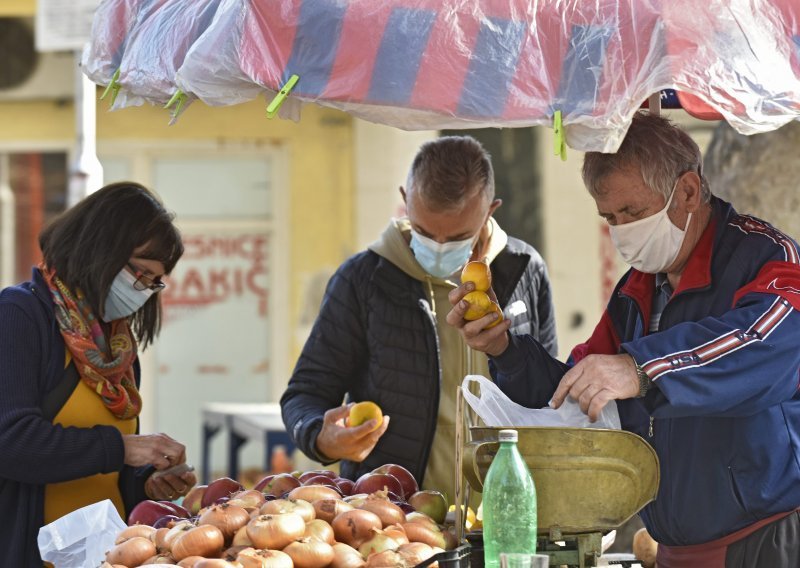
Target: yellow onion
pixel 132 552
pixel 378 542
pixel 309 553
pixel 252 558
pixel 202 540
pixel 275 531
pixel 345 556
pixel 241 538
pixel 327 509
pixel 388 512
pixel 299 506
pixel 415 552
pixel 145 531
pixel 319 530
pixel 313 493
pixel 420 532
pixel 354 527
pixel 386 559
pixel 227 518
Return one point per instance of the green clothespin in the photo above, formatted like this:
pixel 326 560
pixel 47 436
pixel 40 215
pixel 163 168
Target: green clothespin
pixel 275 105
pixel 113 88
pixel 180 98
pixel 559 142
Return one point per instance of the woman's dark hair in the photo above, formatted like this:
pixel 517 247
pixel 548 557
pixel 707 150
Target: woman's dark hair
pixel 90 243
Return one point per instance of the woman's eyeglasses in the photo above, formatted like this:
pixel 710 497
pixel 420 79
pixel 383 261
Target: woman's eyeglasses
pixel 144 282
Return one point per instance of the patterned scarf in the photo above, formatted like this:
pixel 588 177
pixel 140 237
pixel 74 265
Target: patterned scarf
pixel 109 372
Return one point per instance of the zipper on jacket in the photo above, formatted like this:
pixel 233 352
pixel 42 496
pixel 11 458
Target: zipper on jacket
pixel 432 426
pixel 650 430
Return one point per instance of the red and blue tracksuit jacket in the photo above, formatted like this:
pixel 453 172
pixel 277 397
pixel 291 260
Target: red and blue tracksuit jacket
pixel 724 417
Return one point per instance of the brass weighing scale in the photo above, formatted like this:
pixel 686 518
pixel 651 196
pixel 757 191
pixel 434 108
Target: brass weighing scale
pixel 588 482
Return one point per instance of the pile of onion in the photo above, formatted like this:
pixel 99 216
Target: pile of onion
pixel 312 527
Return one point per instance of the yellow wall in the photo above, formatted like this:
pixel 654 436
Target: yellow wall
pixel 17 8
pixel 320 170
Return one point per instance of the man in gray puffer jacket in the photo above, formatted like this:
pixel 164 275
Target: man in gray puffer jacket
pixel 381 333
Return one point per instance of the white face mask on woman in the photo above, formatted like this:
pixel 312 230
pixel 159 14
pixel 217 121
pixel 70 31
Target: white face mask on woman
pixel 651 244
pixel 123 299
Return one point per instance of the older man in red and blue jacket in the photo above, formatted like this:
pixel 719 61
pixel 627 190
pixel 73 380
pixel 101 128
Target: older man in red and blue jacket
pixel 700 347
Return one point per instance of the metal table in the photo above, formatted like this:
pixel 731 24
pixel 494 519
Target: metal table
pixel 260 421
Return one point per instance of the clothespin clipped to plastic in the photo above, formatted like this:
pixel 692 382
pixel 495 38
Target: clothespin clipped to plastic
pixel 113 88
pixel 178 99
pixel 559 141
pixel 275 105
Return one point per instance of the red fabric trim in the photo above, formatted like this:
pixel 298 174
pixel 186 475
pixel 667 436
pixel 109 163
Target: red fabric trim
pixel 697 272
pixel 779 278
pixel 640 287
pixel 709 554
pixel 727 343
pixel 604 340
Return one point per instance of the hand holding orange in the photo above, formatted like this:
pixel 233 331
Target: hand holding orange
pixel 480 303
pixel 362 412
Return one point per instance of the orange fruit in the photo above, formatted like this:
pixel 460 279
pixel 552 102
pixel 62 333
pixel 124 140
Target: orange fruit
pixel 478 273
pixel 363 411
pixel 479 305
pixel 494 308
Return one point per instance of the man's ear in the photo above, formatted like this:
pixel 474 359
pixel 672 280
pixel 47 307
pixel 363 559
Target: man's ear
pixel 690 191
pixel 494 205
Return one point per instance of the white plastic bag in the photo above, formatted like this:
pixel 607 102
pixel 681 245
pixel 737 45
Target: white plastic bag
pixel 496 409
pixel 81 538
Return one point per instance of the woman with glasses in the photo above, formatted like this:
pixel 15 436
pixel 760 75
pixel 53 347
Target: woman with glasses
pixel 69 371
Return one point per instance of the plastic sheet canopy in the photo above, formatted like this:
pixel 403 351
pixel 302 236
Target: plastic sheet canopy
pixel 433 64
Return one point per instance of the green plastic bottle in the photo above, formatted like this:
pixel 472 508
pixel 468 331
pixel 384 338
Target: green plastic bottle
pixel 509 504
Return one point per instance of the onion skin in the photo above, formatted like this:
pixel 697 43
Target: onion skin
pixel 132 552
pixel 386 559
pixel 345 556
pixel 299 506
pixel 307 553
pixel 227 518
pixel 419 532
pixel 190 561
pixel 319 530
pixel 135 530
pixel 203 540
pixel 252 558
pixel 241 538
pixel 354 527
pixel 388 512
pixel 215 563
pixel 313 493
pixel 415 552
pixel 328 509
pixel 275 531
pixel 378 542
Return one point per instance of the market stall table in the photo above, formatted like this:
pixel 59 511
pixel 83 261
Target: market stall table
pixel 244 421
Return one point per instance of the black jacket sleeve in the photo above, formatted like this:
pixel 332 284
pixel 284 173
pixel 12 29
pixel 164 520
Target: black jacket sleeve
pixel 334 355
pixel 545 311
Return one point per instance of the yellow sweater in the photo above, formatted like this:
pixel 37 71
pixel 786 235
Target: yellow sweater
pixel 85 409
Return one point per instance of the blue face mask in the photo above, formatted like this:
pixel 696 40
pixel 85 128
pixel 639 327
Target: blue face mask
pixel 440 259
pixel 123 299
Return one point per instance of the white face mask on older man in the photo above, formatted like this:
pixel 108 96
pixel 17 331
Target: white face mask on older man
pixel 651 244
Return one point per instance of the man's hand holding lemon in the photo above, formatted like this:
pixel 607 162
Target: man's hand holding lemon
pixel 476 312
pixel 350 432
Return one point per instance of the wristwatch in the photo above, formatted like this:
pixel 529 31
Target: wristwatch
pixel 645 382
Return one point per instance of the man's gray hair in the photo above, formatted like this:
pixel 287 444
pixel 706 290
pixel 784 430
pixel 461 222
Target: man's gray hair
pixel 448 170
pixel 660 149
